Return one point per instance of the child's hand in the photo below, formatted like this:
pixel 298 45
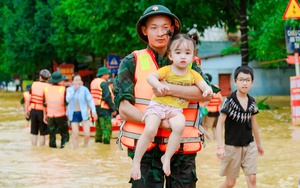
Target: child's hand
pixel 162 88
pixel 208 93
pixel 260 150
pixel 45 120
pixel 221 153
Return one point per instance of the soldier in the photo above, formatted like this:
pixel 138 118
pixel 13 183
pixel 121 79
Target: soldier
pixel 55 109
pixel 102 95
pixel 132 95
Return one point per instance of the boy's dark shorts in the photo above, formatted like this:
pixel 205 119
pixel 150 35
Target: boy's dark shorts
pixel 37 123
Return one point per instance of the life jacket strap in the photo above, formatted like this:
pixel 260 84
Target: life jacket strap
pixel 142 101
pixel 160 140
pixel 180 151
pixel 120 135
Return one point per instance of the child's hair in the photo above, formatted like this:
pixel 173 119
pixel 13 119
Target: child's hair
pixel 74 75
pixel 178 40
pixel 194 34
pixel 195 37
pixel 243 69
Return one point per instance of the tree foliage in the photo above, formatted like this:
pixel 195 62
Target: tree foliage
pixel 34 33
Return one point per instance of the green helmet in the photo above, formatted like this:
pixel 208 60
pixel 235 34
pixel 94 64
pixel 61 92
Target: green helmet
pixel 154 10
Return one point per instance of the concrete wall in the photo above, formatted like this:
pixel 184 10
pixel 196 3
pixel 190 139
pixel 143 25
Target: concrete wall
pixel 266 81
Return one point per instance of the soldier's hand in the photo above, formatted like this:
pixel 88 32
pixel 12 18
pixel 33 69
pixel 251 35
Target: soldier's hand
pixel 45 119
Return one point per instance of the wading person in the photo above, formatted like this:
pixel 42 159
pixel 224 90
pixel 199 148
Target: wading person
pixel 133 94
pixel 23 102
pixel 55 110
pixel 34 108
pixel 105 107
pixel 238 115
pixel 80 101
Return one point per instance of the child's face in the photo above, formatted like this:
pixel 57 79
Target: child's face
pixel 243 82
pixel 181 53
pixel 156 30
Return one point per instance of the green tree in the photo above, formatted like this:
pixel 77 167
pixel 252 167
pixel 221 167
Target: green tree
pixel 267 36
pixel 35 33
pixel 25 32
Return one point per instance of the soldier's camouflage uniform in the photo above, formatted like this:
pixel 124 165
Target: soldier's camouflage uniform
pixel 103 123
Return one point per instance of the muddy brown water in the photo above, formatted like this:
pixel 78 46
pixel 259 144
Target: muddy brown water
pixel 107 166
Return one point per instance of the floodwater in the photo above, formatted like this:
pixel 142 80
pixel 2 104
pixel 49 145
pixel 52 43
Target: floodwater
pixel 107 166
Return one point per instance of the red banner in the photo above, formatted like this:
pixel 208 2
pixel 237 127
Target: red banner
pixel 295 99
pixel 67 70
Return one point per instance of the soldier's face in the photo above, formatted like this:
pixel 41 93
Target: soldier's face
pixel 156 30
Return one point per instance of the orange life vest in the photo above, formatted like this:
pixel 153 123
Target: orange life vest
pixel 96 92
pixel 36 99
pixel 130 132
pixel 55 100
pixel 214 104
pixel 25 97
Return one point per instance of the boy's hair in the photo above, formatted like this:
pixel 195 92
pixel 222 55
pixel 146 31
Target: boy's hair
pixel 181 37
pixel 243 69
pixel 45 74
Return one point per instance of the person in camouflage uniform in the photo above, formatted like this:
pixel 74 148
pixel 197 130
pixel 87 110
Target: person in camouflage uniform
pixel 154 28
pixel 106 108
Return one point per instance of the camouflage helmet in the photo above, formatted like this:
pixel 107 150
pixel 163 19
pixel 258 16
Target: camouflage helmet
pixel 155 10
pixel 45 73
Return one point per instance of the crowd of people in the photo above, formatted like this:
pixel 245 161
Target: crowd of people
pixel 51 105
pixel 157 92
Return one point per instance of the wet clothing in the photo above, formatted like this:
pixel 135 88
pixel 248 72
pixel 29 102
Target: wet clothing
pixel 58 125
pixel 37 123
pixel 238 129
pixel 103 129
pixel 36 106
pixel 77 117
pixel 36 95
pixel 183 170
pixel 151 167
pixel 103 123
pixel 54 100
pixel 83 98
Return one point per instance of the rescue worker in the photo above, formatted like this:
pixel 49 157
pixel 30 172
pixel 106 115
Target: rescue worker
pixel 23 101
pixel 213 107
pixel 55 109
pixel 132 95
pixel 105 107
pixel 34 108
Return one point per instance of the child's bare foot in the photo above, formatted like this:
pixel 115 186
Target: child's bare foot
pixel 166 165
pixel 135 172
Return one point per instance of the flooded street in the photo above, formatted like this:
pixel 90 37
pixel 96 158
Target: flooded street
pixel 109 167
